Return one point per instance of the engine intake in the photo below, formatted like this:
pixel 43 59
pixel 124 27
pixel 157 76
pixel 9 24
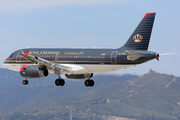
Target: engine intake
pixel 33 72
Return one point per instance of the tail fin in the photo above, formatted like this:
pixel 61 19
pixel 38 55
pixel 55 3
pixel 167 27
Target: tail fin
pixel 139 40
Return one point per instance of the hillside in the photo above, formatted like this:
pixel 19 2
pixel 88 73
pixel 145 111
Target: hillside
pixel 152 96
pixel 14 94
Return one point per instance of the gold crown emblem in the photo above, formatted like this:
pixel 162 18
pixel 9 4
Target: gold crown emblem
pixel 137 38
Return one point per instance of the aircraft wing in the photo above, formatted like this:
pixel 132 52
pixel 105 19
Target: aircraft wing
pixel 43 62
pixel 132 56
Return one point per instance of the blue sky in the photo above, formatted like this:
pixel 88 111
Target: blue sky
pixel 89 23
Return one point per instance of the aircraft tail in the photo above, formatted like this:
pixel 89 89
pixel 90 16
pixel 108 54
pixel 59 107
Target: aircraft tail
pixel 139 40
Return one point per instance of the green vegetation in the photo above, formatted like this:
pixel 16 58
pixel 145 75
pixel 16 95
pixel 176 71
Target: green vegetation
pixel 152 96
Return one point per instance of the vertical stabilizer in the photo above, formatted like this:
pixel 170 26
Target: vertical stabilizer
pixel 139 40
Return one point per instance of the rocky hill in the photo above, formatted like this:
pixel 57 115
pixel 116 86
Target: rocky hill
pixel 152 96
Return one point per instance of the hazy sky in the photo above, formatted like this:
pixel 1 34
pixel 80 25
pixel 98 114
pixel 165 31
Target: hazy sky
pixel 89 23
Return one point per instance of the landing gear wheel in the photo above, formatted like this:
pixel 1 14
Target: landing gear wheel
pixel 89 83
pixel 25 82
pixel 59 82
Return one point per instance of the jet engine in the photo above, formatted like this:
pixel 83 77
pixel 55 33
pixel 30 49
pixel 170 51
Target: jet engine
pixel 78 76
pixel 33 72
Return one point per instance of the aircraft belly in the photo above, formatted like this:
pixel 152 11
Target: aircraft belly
pixel 104 68
pixel 78 69
pixel 13 67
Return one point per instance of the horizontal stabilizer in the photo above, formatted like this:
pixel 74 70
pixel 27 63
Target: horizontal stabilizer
pixel 132 56
pixel 167 54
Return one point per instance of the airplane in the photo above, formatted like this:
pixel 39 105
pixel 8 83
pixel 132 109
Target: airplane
pixel 83 63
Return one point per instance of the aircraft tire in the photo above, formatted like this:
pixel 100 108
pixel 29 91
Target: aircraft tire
pixel 62 82
pixel 25 82
pixel 59 82
pixel 89 83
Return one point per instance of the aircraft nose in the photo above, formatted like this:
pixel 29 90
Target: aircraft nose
pixel 7 61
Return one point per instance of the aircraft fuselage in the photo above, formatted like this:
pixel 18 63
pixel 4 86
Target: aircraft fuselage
pixel 106 59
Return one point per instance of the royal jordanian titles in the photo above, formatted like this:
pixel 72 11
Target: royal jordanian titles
pixel 83 63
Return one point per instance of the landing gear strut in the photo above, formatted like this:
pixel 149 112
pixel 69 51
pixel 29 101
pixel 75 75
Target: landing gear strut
pixel 25 82
pixel 89 83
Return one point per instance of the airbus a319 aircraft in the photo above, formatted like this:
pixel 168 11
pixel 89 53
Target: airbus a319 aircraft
pixel 83 63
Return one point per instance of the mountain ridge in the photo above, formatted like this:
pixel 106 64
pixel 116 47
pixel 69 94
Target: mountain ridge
pixel 150 96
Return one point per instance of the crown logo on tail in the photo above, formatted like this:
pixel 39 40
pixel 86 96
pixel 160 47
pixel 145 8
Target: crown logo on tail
pixel 137 38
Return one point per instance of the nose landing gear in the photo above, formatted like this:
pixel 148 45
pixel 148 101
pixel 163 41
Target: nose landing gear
pixel 25 82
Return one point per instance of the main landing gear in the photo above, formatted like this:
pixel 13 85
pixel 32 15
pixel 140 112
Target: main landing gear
pixel 59 82
pixel 89 83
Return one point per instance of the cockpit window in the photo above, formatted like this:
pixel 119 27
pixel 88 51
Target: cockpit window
pixel 11 56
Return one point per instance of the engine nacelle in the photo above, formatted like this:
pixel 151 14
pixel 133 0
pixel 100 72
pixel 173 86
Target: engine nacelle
pixel 78 76
pixel 33 72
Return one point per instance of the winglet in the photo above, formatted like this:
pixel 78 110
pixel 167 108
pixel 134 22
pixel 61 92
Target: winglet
pixel 26 52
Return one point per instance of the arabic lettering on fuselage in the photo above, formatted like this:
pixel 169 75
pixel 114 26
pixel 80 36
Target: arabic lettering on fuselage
pixel 44 52
pixel 74 53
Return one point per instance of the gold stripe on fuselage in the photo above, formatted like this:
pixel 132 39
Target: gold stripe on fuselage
pixel 70 61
